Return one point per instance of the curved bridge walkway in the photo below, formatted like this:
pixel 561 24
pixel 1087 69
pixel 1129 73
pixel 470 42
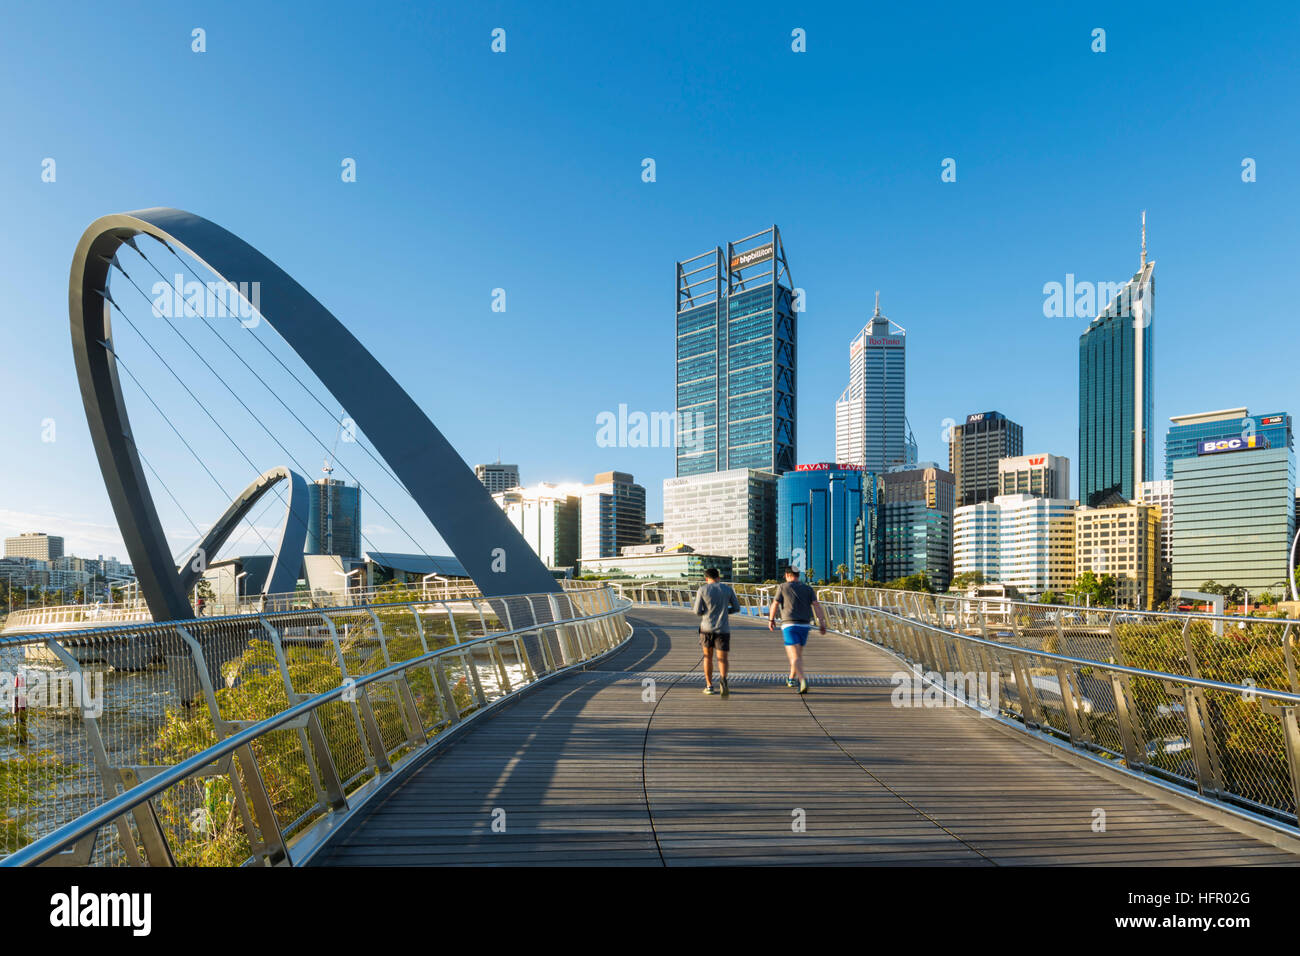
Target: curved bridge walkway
pixel 585 770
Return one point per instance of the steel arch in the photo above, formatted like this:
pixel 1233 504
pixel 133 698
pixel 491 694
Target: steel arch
pixel 286 560
pixel 446 490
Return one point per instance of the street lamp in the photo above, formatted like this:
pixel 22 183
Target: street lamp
pixel 239 597
pixel 424 583
pixel 345 576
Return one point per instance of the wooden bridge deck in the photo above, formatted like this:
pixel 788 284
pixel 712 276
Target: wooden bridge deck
pixel 588 772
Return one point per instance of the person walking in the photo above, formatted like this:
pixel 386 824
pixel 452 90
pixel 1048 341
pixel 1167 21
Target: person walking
pixel 714 601
pixel 797 603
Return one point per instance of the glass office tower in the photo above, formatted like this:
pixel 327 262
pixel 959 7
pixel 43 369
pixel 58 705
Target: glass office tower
pixel 736 359
pixel 1236 517
pixel 334 518
pixel 1188 431
pixel 826 516
pixel 1116 403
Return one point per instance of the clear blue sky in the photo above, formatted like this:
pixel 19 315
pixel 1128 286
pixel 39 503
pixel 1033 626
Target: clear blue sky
pixel 523 171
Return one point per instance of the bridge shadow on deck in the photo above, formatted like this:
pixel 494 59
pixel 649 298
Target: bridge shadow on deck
pixel 600 768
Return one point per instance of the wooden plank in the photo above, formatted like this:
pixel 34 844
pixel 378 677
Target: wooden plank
pixel 588 772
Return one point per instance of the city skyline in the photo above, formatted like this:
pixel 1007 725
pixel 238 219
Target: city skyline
pixel 949 298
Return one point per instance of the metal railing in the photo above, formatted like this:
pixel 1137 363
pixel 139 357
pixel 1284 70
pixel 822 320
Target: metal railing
pixel 1202 703
pixel 54 617
pixel 247 738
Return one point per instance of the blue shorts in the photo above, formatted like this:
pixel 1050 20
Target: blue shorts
pixel 796 634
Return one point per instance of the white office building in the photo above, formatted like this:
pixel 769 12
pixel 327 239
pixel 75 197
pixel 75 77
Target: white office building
pixel 1017 540
pixel 871 414
pixel 1161 494
pixel 549 517
pixel 730 513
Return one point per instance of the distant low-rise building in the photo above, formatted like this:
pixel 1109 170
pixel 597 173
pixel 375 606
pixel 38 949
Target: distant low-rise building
pixel 659 563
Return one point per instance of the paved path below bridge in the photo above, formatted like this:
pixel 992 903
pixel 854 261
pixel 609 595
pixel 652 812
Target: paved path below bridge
pixel 588 772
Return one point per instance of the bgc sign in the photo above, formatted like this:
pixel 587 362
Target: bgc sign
pixel 1215 446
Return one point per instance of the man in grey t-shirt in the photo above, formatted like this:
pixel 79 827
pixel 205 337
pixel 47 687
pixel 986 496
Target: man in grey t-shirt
pixel 713 602
pixel 797 603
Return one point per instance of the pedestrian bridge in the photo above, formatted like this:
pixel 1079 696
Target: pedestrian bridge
pixel 583 737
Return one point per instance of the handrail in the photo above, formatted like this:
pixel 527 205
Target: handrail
pixel 1235 744
pixel 53 843
pixel 498 647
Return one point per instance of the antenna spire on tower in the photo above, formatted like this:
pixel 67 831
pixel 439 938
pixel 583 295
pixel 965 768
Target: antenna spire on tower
pixel 877 302
pixel 1144 239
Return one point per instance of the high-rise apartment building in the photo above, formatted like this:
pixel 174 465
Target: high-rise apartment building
pixel 871 414
pixel 736 359
pixel 1116 392
pixel 1043 476
pixel 35 544
pixel 1017 540
pixel 497 477
pixel 1122 540
pixel 974 450
pixel 726 513
pixel 826 518
pixel 333 518
pixel 1189 432
pixel 549 517
pixel 613 515
pixel 916 519
pixel 1235 515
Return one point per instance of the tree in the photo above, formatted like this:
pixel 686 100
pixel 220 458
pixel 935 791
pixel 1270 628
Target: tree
pixel 843 571
pixel 966 579
pixel 1048 597
pixel 1098 591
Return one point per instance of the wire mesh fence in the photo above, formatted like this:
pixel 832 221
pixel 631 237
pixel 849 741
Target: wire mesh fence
pixel 1204 702
pixel 87 716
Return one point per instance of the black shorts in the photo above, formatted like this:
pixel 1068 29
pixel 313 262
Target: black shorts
pixel 721 640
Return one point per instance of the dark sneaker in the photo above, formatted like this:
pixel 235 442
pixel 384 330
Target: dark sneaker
pixel 708 689
pixel 724 687
pixel 803 687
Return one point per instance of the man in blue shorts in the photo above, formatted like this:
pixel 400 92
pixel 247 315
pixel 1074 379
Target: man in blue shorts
pixel 797 603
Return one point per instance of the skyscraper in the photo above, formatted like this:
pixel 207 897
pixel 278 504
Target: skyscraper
pixel 1116 403
pixel 974 451
pixel 498 477
pixel 1187 432
pixel 613 515
pixel 334 518
pixel 917 521
pixel 871 414
pixel 736 358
